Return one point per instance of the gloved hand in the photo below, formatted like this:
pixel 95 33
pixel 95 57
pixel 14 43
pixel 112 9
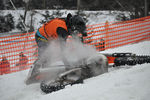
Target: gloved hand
pixel 84 34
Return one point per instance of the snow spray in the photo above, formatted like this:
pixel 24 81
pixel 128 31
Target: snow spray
pixel 73 51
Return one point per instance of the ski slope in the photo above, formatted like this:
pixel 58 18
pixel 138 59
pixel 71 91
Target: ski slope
pixel 125 83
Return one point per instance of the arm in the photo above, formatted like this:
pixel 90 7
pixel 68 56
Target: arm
pixel 62 33
pixel 62 36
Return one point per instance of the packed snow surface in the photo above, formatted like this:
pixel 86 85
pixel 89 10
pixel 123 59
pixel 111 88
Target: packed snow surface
pixel 124 83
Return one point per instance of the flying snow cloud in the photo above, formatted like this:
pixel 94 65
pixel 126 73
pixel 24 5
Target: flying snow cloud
pixel 74 52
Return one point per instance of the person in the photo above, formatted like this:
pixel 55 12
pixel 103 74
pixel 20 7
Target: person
pixel 57 28
pixel 4 66
pixel 23 60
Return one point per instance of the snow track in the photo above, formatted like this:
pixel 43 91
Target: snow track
pixel 126 83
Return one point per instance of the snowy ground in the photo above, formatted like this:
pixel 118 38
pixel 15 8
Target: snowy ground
pixel 126 83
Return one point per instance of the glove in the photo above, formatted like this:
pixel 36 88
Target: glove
pixel 84 33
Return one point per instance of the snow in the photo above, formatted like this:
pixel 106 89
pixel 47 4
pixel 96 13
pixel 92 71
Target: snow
pixel 92 16
pixel 138 48
pixel 124 83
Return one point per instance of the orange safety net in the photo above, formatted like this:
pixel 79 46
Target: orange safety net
pixel 114 34
pixel 18 52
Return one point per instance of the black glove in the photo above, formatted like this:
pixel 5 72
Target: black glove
pixel 84 33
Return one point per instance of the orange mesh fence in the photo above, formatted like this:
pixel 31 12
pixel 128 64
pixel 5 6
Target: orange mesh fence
pixel 114 34
pixel 18 52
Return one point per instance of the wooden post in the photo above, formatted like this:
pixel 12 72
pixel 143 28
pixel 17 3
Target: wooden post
pixel 146 8
pixel 78 4
pixel 44 4
pixel 107 34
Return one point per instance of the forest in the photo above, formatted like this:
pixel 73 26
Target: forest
pixel 137 8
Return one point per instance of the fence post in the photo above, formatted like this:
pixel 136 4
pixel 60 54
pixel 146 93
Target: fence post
pixel 106 34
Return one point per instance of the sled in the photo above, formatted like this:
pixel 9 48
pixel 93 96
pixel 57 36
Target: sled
pixel 56 77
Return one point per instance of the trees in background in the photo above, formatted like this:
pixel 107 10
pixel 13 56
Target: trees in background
pixel 6 23
pixel 137 8
pixel 129 5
